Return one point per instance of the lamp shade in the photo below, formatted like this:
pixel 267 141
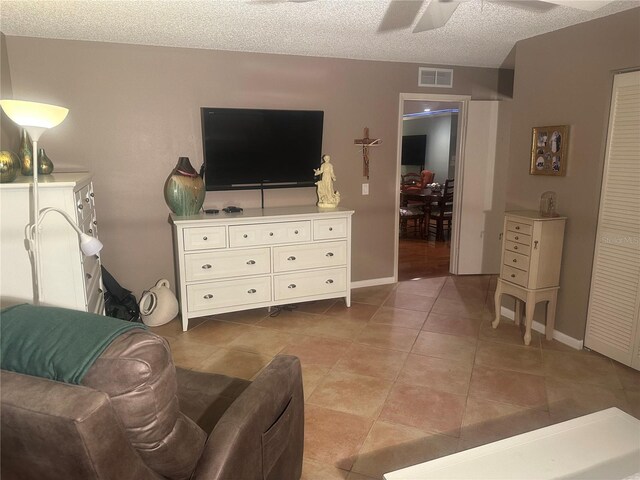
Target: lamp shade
pixel 33 114
pixel 89 245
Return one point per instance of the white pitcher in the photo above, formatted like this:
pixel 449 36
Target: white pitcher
pixel 158 305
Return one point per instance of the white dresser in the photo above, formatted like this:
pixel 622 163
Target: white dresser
pixel 261 257
pixel 530 271
pixel 69 279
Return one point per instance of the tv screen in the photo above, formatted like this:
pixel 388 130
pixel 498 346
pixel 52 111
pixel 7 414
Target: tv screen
pixel 414 149
pixel 249 148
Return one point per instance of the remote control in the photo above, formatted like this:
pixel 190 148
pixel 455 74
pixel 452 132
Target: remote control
pixel 232 209
pixel 211 210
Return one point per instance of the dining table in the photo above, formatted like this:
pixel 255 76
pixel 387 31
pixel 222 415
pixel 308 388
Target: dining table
pixel 424 198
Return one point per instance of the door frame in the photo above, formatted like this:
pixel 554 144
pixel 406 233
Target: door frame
pixel 463 100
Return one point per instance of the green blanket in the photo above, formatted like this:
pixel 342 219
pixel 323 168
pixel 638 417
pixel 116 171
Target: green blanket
pixel 55 343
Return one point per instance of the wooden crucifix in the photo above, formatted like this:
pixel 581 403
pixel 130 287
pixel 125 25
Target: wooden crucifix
pixel 366 142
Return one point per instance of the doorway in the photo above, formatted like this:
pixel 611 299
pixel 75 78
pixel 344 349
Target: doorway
pixel 428 145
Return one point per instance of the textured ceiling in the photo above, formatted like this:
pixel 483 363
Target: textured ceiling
pixel 480 32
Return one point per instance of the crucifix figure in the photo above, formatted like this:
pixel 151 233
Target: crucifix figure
pixel 366 142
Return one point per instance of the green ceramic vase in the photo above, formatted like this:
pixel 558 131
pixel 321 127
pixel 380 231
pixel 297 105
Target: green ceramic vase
pixel 45 165
pixel 25 154
pixel 184 189
pixel 9 166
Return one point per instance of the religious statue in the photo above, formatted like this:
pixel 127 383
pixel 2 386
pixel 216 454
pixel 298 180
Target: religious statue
pixel 327 196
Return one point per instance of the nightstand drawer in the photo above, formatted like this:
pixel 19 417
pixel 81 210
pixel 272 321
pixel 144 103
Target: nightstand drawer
pixel 519 227
pixel 306 284
pixel 519 237
pixel 269 233
pixel 513 275
pixel 298 257
pixel 228 293
pixel 202 238
pixel 329 228
pixel 517 247
pixel 516 260
pixel 226 263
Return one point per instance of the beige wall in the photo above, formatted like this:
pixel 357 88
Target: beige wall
pixel 565 77
pixel 135 109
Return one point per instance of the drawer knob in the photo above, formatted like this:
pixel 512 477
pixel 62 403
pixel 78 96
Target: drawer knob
pixel 515 260
pixel 513 275
pixel 329 281
pixel 206 266
pixel 245 235
pixel 535 244
pixel 90 230
pixel 291 258
pixel 91 195
pixel 271 234
pixel 331 229
pixel 516 237
pixel 293 285
pixel 89 276
pixel 296 232
pixel 515 247
pixel 208 296
pixel 205 238
pixel 99 290
pixel 329 254
pixel 86 199
pixel 95 222
pixel 253 290
pixel 517 228
pixel 80 206
pixel 251 262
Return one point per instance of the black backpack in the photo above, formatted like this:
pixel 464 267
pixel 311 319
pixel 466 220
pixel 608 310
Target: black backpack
pixel 118 301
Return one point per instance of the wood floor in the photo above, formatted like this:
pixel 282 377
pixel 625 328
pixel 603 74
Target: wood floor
pixel 419 258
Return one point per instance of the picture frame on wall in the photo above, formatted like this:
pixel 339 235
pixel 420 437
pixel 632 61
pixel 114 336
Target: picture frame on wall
pixel 549 150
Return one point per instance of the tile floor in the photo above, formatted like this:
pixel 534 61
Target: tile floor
pixel 411 372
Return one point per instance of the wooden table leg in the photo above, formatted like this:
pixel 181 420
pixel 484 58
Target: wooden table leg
pixel 497 298
pixel 531 307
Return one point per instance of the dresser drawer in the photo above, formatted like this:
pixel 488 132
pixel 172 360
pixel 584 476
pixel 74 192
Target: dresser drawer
pixel 95 299
pixel 226 263
pixel 269 233
pixel 329 228
pixel 519 227
pixel 519 237
pixel 517 247
pixel 297 257
pixel 513 275
pixel 516 260
pixel 304 284
pixel 228 293
pixel 202 238
pixel 91 269
pixel 83 205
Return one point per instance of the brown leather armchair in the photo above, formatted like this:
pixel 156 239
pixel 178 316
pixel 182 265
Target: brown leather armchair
pixel 135 416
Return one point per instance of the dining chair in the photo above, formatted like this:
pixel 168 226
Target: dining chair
pixel 415 214
pixel 411 181
pixel 441 214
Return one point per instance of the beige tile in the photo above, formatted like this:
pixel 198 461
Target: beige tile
pixel 317 306
pixel 189 354
pixel 569 400
pixel 336 327
pixel 476 281
pixel 289 322
pixel 174 327
pixel 216 333
pixel 452 325
pixel 464 293
pixel 560 347
pixel 508 332
pixel 629 378
pixel 371 361
pixel 234 363
pixel 312 470
pixel 312 375
pixel 510 357
pixel 346 392
pixel 428 287
pixel 248 317
pixel 399 317
pixel 387 336
pixel 317 350
pixel 436 373
pixel 424 408
pixel 452 347
pixel 357 311
pixel 594 370
pixel 487 421
pixel 356 476
pixel 506 386
pixel 261 340
pixel 389 447
pixel 409 301
pixel 372 295
pixel 334 437
pixel 461 308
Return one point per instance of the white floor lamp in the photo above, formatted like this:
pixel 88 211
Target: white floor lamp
pixel 36 118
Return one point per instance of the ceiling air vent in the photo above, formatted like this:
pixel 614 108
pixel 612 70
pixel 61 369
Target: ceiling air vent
pixel 435 77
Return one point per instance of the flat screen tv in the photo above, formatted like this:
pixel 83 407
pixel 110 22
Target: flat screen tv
pixel 254 149
pixel 414 149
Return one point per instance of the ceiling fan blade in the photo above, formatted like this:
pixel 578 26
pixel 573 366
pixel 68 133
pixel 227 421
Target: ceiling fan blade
pixel 400 14
pixel 436 15
pixel 589 5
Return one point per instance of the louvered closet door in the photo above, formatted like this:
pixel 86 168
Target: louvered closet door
pixel 614 302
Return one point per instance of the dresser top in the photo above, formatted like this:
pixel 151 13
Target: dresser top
pixel 262 213
pixel 532 215
pixel 62 179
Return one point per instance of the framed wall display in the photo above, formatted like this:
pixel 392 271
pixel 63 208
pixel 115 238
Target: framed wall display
pixel 549 150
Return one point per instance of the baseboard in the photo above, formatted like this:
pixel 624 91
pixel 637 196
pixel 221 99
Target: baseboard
pixel 373 282
pixel 539 327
